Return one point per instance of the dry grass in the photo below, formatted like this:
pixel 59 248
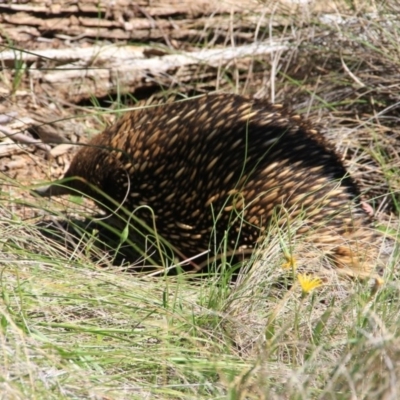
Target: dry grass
pixel 73 326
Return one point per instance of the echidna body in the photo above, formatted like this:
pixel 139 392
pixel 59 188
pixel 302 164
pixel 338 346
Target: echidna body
pixel 224 166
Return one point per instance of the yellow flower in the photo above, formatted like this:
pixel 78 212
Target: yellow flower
pixel 290 262
pixel 378 281
pixel 308 283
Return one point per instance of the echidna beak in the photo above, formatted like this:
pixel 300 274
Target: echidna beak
pixel 52 190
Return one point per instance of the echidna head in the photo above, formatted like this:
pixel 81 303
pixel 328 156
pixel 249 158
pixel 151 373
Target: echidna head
pixel 71 184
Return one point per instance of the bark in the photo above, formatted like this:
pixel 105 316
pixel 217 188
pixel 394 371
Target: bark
pixel 73 53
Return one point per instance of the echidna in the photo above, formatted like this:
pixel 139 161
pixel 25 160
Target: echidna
pixel 225 166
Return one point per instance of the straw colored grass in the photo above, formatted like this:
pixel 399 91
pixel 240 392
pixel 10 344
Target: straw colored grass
pixel 74 326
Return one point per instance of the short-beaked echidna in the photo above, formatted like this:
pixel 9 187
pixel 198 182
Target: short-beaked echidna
pixel 225 166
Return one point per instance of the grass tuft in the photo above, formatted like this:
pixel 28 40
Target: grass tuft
pixel 73 325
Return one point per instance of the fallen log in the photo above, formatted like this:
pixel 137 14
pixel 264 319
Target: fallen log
pixel 80 73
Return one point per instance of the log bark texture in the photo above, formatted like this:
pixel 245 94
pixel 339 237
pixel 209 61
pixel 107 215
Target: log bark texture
pixel 91 48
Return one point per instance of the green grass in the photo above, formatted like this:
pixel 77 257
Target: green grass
pixel 72 326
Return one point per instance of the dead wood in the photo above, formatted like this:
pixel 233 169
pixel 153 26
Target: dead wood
pixel 98 71
pixel 168 21
pixel 71 58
